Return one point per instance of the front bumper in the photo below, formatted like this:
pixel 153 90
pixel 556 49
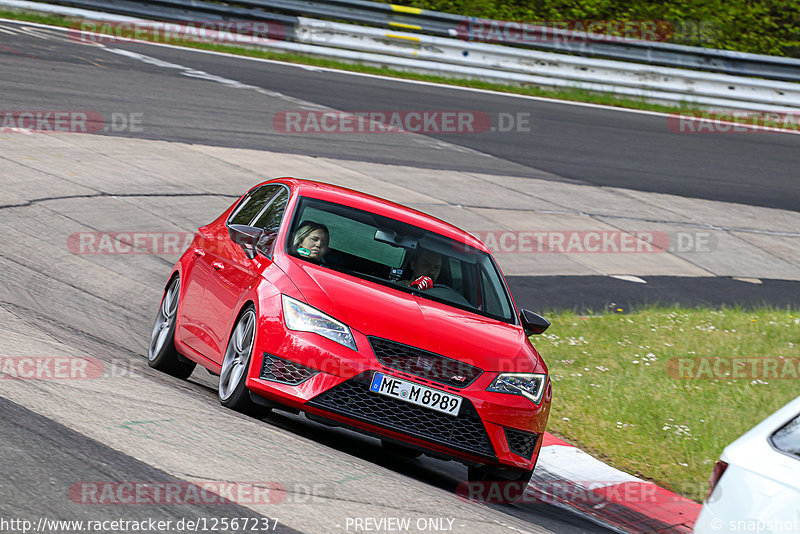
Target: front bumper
pixel 354 400
pixel 328 381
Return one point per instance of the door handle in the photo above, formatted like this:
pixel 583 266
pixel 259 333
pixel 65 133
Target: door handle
pixel 199 252
pixel 217 265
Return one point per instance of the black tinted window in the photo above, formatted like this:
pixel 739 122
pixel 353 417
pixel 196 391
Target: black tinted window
pixel 787 438
pixel 354 237
pixel 270 217
pixel 270 220
pixel 253 203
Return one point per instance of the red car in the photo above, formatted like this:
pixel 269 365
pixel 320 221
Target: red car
pixel 364 314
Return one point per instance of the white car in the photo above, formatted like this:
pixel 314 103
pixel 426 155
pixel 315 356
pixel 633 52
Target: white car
pixel 755 485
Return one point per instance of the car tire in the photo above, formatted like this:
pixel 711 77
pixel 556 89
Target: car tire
pixel 511 485
pixel 162 354
pixel 232 391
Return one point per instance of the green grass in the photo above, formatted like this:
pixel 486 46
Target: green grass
pixel 615 397
pixel 32 16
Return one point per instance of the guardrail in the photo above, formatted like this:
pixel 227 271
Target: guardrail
pixel 460 57
pixel 500 63
pixel 449 25
pixel 553 39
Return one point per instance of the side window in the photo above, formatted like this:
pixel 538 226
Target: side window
pixel 354 237
pixel 253 203
pixel 787 439
pixel 270 220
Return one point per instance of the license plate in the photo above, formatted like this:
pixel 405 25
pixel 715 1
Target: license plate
pixel 415 394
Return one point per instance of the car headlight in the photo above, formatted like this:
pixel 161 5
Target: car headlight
pixel 304 318
pixel 529 385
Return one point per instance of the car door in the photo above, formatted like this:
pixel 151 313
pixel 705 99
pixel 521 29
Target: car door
pixel 232 273
pixel 191 325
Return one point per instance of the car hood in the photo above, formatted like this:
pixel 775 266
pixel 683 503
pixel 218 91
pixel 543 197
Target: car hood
pixel 376 310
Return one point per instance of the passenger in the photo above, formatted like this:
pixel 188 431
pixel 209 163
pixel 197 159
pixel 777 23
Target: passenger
pixel 425 269
pixel 311 241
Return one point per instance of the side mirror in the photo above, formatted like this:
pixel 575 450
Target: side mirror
pixel 533 323
pixel 246 236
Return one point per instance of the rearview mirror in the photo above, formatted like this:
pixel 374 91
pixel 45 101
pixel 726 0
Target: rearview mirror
pixel 246 236
pixel 533 323
pixel 393 238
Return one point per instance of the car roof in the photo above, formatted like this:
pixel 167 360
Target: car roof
pixel 370 203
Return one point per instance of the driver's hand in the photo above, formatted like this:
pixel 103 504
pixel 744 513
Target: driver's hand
pixel 422 283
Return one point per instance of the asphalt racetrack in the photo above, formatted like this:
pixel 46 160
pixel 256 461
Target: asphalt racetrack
pixel 184 133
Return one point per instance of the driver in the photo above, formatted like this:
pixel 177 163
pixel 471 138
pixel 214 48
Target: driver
pixel 425 269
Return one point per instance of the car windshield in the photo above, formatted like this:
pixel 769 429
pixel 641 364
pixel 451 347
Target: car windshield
pixel 395 254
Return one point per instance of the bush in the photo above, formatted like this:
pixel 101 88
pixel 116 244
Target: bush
pixel 757 26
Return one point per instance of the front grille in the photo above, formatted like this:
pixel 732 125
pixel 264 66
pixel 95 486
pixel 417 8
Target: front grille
pixel 277 369
pixel 521 443
pixel 424 364
pixel 353 399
